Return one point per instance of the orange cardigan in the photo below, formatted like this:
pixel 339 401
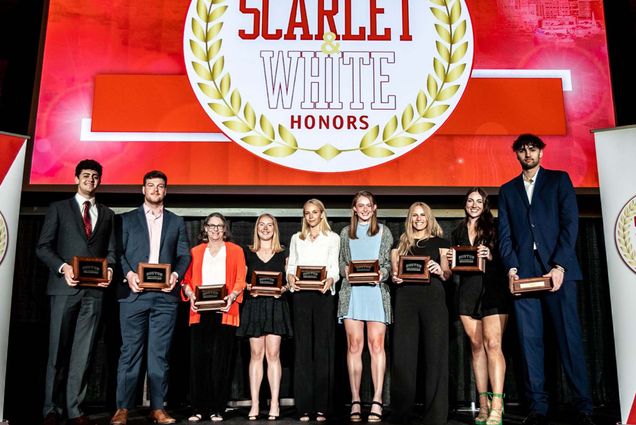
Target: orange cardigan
pixel 235 272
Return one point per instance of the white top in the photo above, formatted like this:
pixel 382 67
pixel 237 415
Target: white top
pixel 529 185
pixel 155 225
pixel 213 268
pixel 322 251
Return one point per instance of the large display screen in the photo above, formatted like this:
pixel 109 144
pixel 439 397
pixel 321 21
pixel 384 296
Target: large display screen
pixel 320 92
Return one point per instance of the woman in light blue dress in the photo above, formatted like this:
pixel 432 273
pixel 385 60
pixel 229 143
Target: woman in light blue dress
pixel 365 239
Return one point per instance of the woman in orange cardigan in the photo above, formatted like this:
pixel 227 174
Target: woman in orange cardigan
pixel 214 261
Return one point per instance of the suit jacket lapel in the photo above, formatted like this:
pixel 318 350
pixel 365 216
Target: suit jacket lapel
pixel 521 190
pixel 164 229
pixel 77 216
pixel 143 225
pixel 100 218
pixel 538 185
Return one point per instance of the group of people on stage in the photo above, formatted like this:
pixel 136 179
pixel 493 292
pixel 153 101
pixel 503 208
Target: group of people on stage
pixel 535 236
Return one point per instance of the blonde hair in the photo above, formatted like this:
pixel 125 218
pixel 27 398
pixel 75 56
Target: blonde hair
pixel 256 244
pixel 323 226
pixel 407 239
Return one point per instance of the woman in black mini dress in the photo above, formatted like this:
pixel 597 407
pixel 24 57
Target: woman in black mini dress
pixel 265 319
pixel 483 304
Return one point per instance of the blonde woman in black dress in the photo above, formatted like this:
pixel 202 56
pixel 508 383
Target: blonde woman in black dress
pixel 420 324
pixel 265 320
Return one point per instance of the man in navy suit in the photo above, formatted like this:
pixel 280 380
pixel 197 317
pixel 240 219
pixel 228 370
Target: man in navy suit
pixel 81 227
pixel 538 226
pixel 149 234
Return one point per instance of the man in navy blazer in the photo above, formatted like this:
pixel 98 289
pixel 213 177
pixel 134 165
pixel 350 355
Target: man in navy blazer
pixel 149 234
pixel 81 227
pixel 538 226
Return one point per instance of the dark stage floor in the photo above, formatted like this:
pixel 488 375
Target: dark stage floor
pixel 513 416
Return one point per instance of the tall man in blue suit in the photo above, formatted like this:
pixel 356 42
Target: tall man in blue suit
pixel 538 226
pixel 149 234
pixel 81 227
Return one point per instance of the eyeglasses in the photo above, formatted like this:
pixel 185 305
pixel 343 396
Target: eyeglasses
pixel 215 226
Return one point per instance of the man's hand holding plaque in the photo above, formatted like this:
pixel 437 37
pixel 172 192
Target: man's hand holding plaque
pixel 528 285
pixel 363 272
pixel 154 277
pixel 88 272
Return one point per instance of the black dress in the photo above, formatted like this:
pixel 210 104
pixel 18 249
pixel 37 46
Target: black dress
pixel 420 339
pixel 264 315
pixel 481 294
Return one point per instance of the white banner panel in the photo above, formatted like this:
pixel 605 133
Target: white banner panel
pixel 616 153
pixel 13 149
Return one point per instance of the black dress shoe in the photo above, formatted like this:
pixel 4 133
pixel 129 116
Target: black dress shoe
pixel 535 419
pixel 584 419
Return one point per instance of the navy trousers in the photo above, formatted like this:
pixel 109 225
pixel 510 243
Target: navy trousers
pixel 561 307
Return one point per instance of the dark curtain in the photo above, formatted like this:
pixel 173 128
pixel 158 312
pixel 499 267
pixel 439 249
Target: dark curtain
pixel 30 313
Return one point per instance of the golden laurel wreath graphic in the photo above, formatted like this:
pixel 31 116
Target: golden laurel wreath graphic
pixel 623 235
pixel 396 133
pixel 4 237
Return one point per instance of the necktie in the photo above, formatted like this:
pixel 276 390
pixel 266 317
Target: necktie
pixel 88 227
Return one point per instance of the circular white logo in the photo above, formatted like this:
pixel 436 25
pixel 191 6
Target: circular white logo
pixel 625 234
pixel 328 86
pixel 4 237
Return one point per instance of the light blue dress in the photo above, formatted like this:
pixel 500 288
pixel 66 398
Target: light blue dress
pixel 366 300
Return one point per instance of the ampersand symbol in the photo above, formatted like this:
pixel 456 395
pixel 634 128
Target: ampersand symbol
pixel 329 47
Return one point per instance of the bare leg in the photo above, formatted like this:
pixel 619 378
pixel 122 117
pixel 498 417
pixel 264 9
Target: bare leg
pixel 274 372
pixel 257 352
pixel 473 329
pixel 375 338
pixel 493 328
pixel 355 344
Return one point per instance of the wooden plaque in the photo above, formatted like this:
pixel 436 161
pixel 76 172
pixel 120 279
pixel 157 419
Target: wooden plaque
pixel 465 259
pixel 210 297
pixel 363 272
pixel 266 283
pixel 90 270
pixel 154 277
pixel 531 284
pixel 413 268
pixel 311 278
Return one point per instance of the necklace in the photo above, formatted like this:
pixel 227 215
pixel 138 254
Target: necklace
pixel 417 244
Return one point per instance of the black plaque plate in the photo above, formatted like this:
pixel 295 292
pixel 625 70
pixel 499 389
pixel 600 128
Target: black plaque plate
pixel 266 283
pixel 154 277
pixel 363 272
pixel 311 278
pixel 413 268
pixel 90 270
pixel 210 297
pixel 465 259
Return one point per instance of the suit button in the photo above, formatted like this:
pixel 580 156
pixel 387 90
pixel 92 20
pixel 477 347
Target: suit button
pixel 532 225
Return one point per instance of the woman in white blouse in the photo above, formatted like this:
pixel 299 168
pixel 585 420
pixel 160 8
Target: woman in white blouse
pixel 314 313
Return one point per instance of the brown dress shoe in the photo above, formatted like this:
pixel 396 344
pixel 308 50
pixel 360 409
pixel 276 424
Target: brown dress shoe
pixel 80 420
pixel 160 416
pixel 52 418
pixel 120 417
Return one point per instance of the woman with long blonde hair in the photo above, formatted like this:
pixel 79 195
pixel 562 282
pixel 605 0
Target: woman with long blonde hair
pixel 314 313
pixel 420 332
pixel 265 320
